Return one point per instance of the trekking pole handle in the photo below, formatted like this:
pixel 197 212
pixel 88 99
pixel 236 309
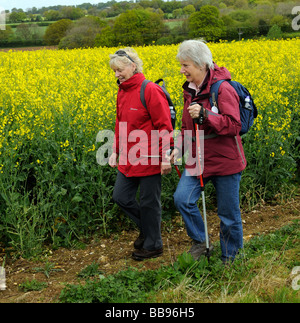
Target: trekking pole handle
pixel 201 117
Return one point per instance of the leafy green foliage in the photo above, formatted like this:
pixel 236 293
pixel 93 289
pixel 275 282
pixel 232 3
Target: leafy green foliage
pixel 138 27
pixel 32 285
pixel 57 31
pixel 90 271
pixel 48 268
pixel 82 33
pixel 126 286
pixel 206 23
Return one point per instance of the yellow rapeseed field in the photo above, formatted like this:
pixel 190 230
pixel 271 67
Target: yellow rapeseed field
pixel 41 89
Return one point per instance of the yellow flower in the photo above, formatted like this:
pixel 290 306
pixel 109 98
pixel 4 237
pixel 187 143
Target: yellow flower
pixel 65 144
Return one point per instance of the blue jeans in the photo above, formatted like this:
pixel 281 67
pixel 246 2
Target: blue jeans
pixel 227 188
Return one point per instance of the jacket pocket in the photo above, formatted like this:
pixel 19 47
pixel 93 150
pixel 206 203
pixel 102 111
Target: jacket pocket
pixel 222 146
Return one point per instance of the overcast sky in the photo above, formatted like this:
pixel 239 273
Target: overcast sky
pixel 24 4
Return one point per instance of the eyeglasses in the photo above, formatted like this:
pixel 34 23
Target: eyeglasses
pixel 123 53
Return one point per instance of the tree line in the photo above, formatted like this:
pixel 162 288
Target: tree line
pixel 148 21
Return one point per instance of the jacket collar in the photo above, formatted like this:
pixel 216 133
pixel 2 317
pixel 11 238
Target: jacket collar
pixel 192 90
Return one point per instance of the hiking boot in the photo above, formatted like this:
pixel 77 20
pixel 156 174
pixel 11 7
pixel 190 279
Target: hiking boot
pixel 139 242
pixel 198 249
pixel 144 254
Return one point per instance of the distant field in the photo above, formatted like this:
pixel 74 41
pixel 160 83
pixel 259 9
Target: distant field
pixel 24 49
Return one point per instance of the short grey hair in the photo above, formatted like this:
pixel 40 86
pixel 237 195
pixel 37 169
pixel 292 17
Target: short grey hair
pixel 196 51
pixel 117 61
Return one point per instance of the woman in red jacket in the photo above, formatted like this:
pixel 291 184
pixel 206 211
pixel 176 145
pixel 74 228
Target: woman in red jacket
pixel 224 158
pixel 139 151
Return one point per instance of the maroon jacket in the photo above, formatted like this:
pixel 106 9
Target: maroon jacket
pixel 136 132
pixel 223 150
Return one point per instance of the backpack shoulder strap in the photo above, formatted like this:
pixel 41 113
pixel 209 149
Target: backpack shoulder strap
pixel 214 90
pixel 142 93
pixel 167 94
pixel 163 87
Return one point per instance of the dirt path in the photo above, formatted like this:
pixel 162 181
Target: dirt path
pixel 114 254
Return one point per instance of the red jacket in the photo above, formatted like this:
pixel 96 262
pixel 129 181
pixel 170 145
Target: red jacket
pixel 141 152
pixel 223 154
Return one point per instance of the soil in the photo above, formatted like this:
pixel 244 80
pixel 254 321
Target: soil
pixel 114 253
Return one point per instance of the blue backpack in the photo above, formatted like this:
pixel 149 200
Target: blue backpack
pixel 248 110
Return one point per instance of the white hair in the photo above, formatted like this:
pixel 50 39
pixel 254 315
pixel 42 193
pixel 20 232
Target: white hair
pixel 196 51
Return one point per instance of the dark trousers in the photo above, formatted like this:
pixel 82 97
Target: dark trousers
pixel 147 212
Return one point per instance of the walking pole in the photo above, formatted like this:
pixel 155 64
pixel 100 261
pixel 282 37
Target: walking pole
pixel 198 153
pixel 178 171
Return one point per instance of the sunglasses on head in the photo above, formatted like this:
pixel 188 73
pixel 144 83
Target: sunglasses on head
pixel 123 53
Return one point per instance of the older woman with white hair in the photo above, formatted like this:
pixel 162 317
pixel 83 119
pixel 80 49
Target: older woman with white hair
pixel 224 158
pixel 133 154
